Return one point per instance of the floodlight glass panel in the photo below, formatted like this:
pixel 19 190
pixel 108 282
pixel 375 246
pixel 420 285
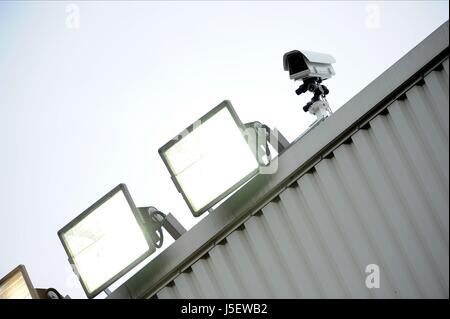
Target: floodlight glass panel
pixel 105 242
pixel 16 285
pixel 211 160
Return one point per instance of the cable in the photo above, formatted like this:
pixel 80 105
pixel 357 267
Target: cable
pixel 158 226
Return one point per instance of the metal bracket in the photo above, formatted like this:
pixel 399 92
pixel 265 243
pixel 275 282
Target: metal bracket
pixel 321 109
pixel 50 293
pixel 281 143
pixel 172 226
pixel 271 136
pixel 168 222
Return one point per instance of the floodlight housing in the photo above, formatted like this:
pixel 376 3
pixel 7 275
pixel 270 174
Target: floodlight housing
pixel 210 159
pixel 106 241
pixel 17 285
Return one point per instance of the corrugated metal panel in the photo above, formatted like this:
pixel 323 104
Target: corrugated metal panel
pixel 382 197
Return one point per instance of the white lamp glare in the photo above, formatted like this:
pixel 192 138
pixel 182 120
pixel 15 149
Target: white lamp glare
pixel 211 159
pixel 105 242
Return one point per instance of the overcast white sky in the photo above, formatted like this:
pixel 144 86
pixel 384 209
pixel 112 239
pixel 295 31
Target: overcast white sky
pixel 83 109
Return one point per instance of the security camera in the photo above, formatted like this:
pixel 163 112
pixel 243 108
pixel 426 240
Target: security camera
pixel 312 68
pixel 306 64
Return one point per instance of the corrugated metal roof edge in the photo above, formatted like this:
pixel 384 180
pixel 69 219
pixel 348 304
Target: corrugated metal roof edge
pixel 295 161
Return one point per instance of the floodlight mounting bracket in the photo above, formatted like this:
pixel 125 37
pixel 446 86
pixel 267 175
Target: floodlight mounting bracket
pixel 269 136
pixel 281 142
pixel 50 293
pixel 155 220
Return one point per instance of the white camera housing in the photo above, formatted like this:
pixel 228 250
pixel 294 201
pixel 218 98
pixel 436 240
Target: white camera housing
pixel 307 64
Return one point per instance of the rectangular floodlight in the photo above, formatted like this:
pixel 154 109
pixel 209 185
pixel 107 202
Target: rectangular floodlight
pixel 17 285
pixel 210 159
pixel 106 241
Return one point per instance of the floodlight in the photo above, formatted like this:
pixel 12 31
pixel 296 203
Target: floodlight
pixel 210 159
pixel 106 241
pixel 17 285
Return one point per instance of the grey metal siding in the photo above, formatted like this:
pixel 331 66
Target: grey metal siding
pixel 382 197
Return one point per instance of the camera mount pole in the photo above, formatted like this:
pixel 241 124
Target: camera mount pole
pixel 321 109
pixel 318 105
